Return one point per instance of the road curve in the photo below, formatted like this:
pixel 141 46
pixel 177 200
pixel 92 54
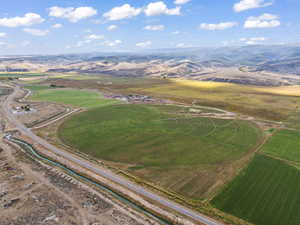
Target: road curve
pixel 102 172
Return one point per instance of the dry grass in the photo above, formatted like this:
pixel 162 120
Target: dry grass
pixel 229 87
pixel 274 103
pixel 284 90
pixel 201 84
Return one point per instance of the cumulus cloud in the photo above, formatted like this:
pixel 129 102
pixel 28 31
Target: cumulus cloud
pixel 125 11
pixel 28 19
pixel 3 35
pixel 112 27
pixel 89 39
pixel 250 4
pixel 253 40
pixel 183 45
pixel 181 2
pixel 81 43
pixel 218 26
pixel 57 26
pixel 180 45
pixel 94 37
pixel 154 27
pixel 112 43
pixel 36 32
pixel 144 44
pixel 160 8
pixel 72 14
pixel 264 21
pixel 25 43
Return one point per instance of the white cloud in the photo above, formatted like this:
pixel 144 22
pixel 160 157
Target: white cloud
pixel 72 14
pixel 264 21
pixel 112 43
pixel 180 45
pixel 225 43
pixel 94 37
pixel 3 35
pixel 57 26
pixel 81 43
pixel 181 2
pixel 176 32
pixel 25 43
pixel 36 32
pixel 250 4
pixel 89 39
pixel 154 27
pixel 253 40
pixel 144 44
pixel 125 11
pixel 218 26
pixel 2 43
pixel 159 8
pixel 184 45
pixel 28 19
pixel 258 39
pixel 112 27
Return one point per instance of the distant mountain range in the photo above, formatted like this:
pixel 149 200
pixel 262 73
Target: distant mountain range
pixel 255 64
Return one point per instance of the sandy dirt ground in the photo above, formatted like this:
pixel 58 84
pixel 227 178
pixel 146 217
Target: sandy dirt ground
pixel 40 112
pixel 32 193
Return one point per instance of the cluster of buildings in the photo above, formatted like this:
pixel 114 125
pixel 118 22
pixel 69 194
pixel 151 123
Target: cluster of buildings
pixel 133 98
pixel 22 109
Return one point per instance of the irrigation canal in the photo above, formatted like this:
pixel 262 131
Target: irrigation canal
pixel 30 150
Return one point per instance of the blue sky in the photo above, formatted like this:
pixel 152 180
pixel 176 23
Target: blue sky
pixel 71 26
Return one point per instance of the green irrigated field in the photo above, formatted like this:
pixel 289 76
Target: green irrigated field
pixel 79 98
pixel 284 144
pixel 180 153
pixel 265 193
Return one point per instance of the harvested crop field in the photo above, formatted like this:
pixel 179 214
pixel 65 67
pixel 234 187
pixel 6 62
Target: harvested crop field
pixel 267 103
pixel 162 145
pixel 265 193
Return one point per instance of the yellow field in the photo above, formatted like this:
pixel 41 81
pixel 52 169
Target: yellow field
pixel 201 84
pixel 74 76
pixel 274 103
pixel 284 90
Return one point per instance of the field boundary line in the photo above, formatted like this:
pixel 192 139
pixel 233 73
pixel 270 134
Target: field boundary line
pixel 286 161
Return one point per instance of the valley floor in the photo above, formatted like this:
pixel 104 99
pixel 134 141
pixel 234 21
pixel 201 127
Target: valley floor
pixel 241 166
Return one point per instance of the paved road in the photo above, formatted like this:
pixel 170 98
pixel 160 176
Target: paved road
pixel 102 172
